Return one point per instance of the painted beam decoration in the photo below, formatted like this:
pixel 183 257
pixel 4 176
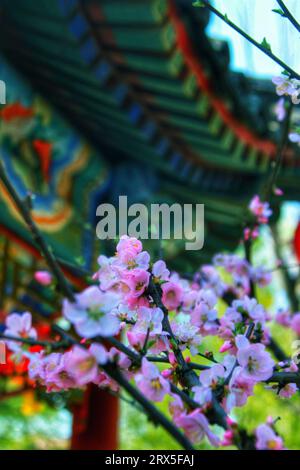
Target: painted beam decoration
pixel 44 155
pixel 141 81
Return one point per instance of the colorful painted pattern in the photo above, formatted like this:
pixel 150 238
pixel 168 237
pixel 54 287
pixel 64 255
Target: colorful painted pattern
pixel 44 155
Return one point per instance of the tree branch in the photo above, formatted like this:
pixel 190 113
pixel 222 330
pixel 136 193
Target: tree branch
pixel 289 15
pixel 37 236
pixel 259 46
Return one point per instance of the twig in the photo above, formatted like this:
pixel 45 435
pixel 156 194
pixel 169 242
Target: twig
pixel 144 348
pixel 285 378
pixel 37 236
pixel 189 377
pixel 259 46
pixel 247 335
pixel 34 342
pixel 153 413
pixel 209 358
pixel 289 15
pixel 110 369
pixel 279 153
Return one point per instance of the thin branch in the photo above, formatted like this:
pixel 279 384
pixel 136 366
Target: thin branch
pixel 150 409
pixel 255 43
pixel 110 369
pixel 208 358
pixel 284 378
pixel 189 377
pixel 24 210
pixel 163 360
pixel 279 153
pixel 247 335
pixel 34 342
pixel 289 15
pixel 144 348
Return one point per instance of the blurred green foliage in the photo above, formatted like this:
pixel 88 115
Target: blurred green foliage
pixel 22 428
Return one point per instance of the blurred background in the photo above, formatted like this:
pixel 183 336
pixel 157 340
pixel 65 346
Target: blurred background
pixel 159 101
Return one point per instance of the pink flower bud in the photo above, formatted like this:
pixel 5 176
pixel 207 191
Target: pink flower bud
pixel 270 420
pixel 278 192
pixel 172 358
pixel 226 346
pixel 43 277
pixel 228 438
pixel 166 373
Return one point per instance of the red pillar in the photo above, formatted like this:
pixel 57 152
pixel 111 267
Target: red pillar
pixel 95 421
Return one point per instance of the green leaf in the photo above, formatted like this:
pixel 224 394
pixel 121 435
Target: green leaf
pixel 266 45
pixel 278 11
pixel 198 3
pixel 226 17
pixel 79 260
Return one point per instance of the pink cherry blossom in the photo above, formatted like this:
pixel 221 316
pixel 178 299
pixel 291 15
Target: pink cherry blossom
pixel 118 357
pixel 248 309
pixel 279 109
pixel 187 334
pixel 287 86
pixel 81 365
pixel 19 326
pixel 239 269
pixel 99 352
pixel 284 317
pixel 52 373
pixel 91 313
pixel 295 323
pixel 196 427
pixel 172 295
pixel 108 273
pixel 160 271
pixel 260 209
pixel 176 406
pixel 151 382
pixel 36 366
pixel 266 439
pixel 129 243
pixel 204 315
pixel 240 388
pixel 124 312
pixel 137 280
pixel 256 363
pixel 147 319
pixel 260 276
pixel 288 390
pixel 211 378
pixel 130 254
pixel 209 278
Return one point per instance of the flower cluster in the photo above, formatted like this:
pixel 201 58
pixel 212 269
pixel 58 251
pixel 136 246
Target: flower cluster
pixel 163 321
pixel 261 210
pixel 287 87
